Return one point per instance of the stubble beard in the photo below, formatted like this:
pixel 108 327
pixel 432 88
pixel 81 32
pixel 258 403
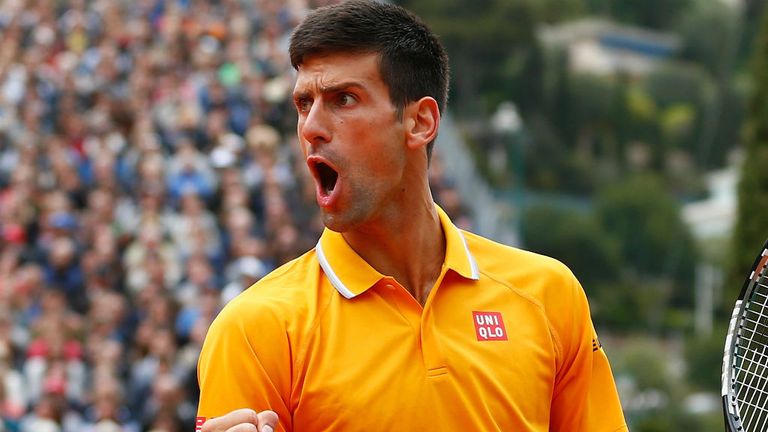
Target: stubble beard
pixel 353 213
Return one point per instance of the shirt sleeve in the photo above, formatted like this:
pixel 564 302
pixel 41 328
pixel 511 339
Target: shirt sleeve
pixel 585 396
pixel 245 362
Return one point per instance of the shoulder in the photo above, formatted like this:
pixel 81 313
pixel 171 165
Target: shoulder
pixel 524 269
pixel 541 279
pixel 289 295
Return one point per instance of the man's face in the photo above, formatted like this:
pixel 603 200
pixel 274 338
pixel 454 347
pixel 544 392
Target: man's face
pixel 351 138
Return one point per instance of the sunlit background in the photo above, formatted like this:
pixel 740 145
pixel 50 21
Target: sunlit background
pixel 149 173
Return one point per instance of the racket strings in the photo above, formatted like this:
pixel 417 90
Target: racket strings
pixel 750 377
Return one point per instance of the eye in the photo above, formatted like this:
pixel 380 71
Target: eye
pixel 303 105
pixel 345 99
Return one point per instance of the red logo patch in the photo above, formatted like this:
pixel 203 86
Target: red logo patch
pixel 199 423
pixel 489 326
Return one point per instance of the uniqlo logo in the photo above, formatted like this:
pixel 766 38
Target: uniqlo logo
pixel 199 424
pixel 489 326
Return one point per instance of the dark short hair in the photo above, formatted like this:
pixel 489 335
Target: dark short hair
pixel 413 62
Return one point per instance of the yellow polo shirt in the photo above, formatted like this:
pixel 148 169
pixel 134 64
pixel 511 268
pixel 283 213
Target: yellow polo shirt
pixel 504 342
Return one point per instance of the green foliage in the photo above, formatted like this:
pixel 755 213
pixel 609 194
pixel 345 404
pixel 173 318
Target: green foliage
pixel 640 104
pixel 484 39
pixel 677 122
pixel 750 24
pixel 550 165
pixel 711 32
pixel 594 120
pixel 632 306
pixel 644 367
pixel 634 255
pixel 683 95
pixel 670 419
pixel 597 93
pixel 752 224
pixel 708 31
pixel 553 11
pixel 645 361
pixel 654 239
pixel 574 238
pixel 594 103
pixel 656 14
pixel 679 84
pixel 727 135
pixel 495 56
pixel 704 357
pixel 658 256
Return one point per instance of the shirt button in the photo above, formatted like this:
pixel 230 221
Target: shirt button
pixel 390 286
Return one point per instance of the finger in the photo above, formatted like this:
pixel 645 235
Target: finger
pixel 267 421
pixel 243 427
pixel 220 424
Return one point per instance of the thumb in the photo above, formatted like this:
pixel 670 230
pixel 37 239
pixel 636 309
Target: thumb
pixel 267 421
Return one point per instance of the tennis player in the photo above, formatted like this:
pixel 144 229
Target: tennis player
pixel 397 319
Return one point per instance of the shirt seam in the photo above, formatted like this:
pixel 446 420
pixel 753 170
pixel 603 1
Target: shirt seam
pixel 573 325
pixel 556 342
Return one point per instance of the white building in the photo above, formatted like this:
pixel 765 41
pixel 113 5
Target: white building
pixel 606 48
pixel 713 218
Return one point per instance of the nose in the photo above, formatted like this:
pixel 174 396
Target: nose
pixel 314 127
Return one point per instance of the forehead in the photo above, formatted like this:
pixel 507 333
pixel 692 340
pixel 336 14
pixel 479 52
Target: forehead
pixel 323 70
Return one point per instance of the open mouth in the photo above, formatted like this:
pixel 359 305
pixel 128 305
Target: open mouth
pixel 327 177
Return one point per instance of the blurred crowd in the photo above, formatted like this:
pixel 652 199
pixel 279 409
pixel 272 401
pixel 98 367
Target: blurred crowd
pixel 149 172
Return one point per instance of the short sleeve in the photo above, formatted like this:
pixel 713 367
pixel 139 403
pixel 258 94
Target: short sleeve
pixel 245 362
pixel 603 407
pixel 585 397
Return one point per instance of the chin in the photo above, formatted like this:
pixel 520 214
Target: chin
pixel 334 223
pixel 344 218
pixel 342 221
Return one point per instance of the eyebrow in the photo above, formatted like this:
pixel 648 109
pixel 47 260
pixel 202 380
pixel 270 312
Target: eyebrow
pixel 329 89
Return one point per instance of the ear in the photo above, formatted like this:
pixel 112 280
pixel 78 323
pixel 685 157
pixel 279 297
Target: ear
pixel 422 120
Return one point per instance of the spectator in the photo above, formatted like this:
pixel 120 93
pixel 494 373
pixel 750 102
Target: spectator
pixel 244 272
pixel 151 258
pixel 13 395
pixel 106 411
pixel 46 416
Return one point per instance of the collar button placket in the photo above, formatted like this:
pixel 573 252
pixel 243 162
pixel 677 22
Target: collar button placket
pixel 432 352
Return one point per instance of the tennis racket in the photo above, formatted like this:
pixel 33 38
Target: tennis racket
pixel 745 362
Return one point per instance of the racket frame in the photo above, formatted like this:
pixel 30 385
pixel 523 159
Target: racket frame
pixel 733 420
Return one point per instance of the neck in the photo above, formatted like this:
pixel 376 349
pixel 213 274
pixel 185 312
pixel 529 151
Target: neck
pixel 409 247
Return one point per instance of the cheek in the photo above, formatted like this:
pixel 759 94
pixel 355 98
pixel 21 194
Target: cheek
pixel 385 161
pixel 391 154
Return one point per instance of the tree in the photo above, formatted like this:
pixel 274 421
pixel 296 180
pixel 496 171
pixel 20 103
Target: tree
pixel 656 14
pixel 575 238
pixel 709 31
pixel 491 44
pixel 711 34
pixel 752 223
pixel 655 242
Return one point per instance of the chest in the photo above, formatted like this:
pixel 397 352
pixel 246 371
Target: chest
pixel 465 358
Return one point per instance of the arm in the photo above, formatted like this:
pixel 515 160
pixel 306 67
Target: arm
pixel 245 363
pixel 585 397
